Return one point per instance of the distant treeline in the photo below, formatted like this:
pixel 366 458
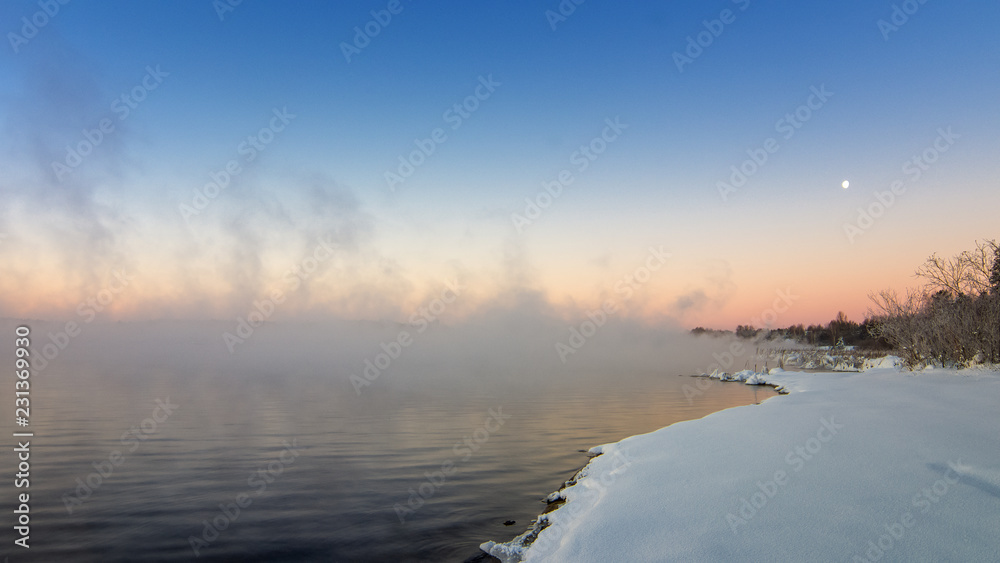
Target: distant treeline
pixel 954 318
pixel 838 332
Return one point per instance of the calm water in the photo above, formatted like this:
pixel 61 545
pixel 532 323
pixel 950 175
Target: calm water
pixel 332 496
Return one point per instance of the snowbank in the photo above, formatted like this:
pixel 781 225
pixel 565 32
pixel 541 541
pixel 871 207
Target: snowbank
pixel 879 465
pixel 748 376
pixel 883 362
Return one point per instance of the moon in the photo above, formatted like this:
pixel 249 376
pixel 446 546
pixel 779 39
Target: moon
pixel 845 184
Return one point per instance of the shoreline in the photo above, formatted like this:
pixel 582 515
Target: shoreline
pixel 733 483
pixel 557 499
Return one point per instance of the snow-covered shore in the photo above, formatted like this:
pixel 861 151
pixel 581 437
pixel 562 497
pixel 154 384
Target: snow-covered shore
pixel 880 465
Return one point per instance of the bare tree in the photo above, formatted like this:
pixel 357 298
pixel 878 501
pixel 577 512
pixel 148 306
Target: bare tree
pixel 897 319
pixel 995 273
pixel 966 274
pixel 955 317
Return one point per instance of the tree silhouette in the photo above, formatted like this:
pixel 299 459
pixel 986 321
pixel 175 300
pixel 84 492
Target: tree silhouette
pixel 995 275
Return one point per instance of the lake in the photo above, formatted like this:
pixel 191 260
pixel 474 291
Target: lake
pixel 164 463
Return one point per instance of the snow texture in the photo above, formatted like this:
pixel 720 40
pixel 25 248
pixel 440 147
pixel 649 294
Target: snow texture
pixel 880 465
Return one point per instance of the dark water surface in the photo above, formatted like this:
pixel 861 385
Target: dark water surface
pixel 334 464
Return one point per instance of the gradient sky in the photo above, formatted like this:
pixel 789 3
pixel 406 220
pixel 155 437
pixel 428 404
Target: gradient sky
pixel 324 175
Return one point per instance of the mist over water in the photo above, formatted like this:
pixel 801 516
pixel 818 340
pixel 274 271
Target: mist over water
pixel 494 346
pixel 469 426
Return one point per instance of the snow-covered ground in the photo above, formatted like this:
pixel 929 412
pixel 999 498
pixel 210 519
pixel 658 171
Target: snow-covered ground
pixel 880 465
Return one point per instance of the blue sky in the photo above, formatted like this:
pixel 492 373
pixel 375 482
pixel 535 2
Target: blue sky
pixel 655 184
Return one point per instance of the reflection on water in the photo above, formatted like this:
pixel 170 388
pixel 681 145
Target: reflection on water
pixel 270 467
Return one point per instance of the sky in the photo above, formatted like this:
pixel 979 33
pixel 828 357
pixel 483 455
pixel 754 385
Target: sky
pixel 682 162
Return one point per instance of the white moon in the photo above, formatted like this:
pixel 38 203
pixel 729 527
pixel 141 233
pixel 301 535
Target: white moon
pixel 846 184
